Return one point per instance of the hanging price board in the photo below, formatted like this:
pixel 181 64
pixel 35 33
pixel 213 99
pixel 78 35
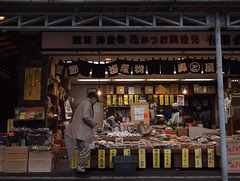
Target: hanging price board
pixel 130 99
pixel 166 99
pixel 136 98
pixel 108 100
pixel 120 100
pixel 185 158
pixel 114 99
pixel 211 161
pixel 126 152
pixel 101 158
pixel 142 158
pixel 155 98
pixel 88 161
pixel 198 158
pixel 167 158
pixel 161 102
pixel 113 152
pixel 125 99
pixel 9 125
pixel 171 99
pixel 150 98
pixel 74 160
pixel 156 158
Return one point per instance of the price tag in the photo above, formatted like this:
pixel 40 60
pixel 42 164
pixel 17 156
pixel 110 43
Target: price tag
pixel 89 161
pixel 136 98
pixel 167 158
pixel 126 152
pixel 211 161
pixel 156 158
pixel 125 99
pixel 101 158
pixel 9 125
pixel 150 98
pixel 120 100
pixel 161 100
pixel 142 158
pixel 166 99
pixel 198 158
pixel 11 134
pixel 113 152
pixel 185 158
pixel 108 100
pixel 130 99
pixel 114 99
pixel 171 99
pixel 155 98
pixel 74 160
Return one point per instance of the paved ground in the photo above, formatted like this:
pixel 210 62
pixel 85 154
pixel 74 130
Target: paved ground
pixel 64 173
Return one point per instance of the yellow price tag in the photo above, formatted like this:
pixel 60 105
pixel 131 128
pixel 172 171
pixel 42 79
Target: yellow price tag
pixel 136 98
pixel 101 158
pixel 9 125
pixel 108 100
pixel 211 160
pixel 120 100
pixel 167 158
pixel 171 99
pixel 113 152
pixel 150 98
pixel 155 98
pixel 126 152
pixel 114 99
pixel 88 161
pixel 125 99
pixel 130 99
pixel 156 158
pixel 74 160
pixel 198 158
pixel 142 158
pixel 166 99
pixel 185 158
pixel 161 100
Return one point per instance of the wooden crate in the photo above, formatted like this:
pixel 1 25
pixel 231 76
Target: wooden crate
pixel 40 161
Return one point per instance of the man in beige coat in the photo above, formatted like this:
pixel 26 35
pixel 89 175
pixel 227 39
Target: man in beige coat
pixel 81 130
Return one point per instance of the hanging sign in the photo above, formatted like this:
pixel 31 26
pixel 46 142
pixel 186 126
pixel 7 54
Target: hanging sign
pixel 120 100
pixel 108 100
pixel 166 99
pixel 185 158
pixel 150 97
pixel 161 102
pixel 130 99
pixel 88 165
pixel 198 158
pixel 125 99
pixel 74 160
pixel 113 152
pixel 126 152
pixel 139 68
pixel 211 161
pixel 73 68
pixel 114 100
pixel 60 69
pixel 101 158
pixel 32 84
pixel 136 98
pixel 156 158
pixel 155 98
pixel 171 99
pixel 180 100
pixel 142 158
pixel 167 158
pixel 112 69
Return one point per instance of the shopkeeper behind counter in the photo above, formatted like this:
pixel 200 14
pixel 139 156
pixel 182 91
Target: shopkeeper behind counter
pixel 174 109
pixel 201 117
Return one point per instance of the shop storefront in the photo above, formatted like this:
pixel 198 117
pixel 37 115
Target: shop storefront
pixel 141 66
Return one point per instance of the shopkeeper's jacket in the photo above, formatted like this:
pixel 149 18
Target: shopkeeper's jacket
pixel 82 125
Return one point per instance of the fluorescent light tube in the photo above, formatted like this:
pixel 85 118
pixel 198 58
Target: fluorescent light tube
pixel 153 80
pixel 128 80
pixel 197 79
pixel 93 80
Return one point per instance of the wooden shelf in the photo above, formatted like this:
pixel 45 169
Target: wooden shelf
pixel 28 119
pixel 126 107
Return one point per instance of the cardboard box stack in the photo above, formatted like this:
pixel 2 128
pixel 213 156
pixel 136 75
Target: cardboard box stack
pixel 16 159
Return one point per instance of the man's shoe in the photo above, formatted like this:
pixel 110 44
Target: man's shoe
pixel 83 174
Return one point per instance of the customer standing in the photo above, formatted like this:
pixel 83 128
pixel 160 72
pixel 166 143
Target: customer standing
pixel 81 130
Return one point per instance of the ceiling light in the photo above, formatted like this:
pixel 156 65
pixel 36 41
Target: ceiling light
pixel 198 80
pixel 108 59
pixel 92 80
pixel 128 80
pixel 2 18
pixel 163 80
pixel 234 80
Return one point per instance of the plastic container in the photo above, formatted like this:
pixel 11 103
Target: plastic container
pixel 124 164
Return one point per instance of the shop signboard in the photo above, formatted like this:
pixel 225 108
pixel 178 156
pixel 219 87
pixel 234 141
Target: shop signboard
pixel 198 158
pixel 113 152
pixel 211 161
pixel 167 158
pixel 142 158
pixel 156 158
pixel 185 158
pixel 101 158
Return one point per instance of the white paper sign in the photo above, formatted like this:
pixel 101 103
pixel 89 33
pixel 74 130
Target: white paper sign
pixel 139 113
pixel 97 109
pixel 180 100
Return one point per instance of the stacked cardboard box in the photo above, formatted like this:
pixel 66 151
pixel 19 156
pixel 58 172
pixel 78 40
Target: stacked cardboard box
pixel 1 157
pixel 16 159
pixel 182 131
pixel 40 161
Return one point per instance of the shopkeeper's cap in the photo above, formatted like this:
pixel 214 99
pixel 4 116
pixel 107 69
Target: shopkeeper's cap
pixel 93 94
pixel 175 105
